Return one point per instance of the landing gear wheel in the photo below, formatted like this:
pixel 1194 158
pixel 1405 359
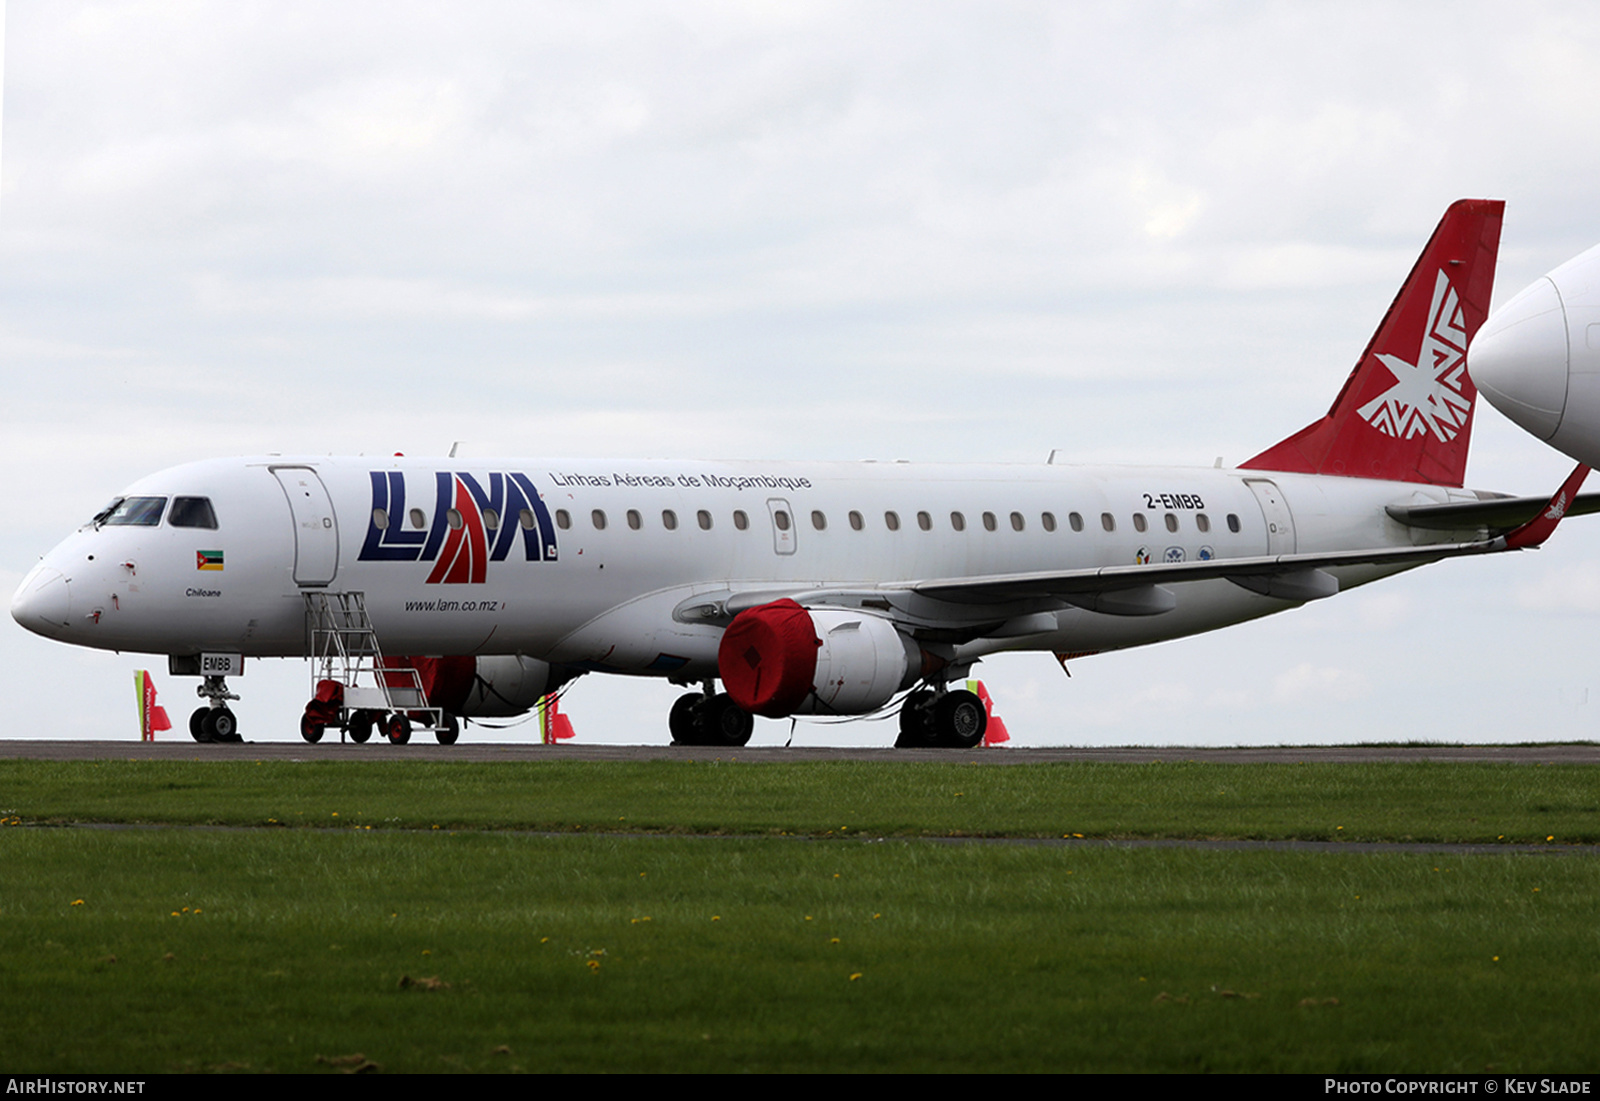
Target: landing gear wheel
pixel 219 725
pixel 916 721
pixel 681 719
pixel 196 729
pixel 722 722
pixel 397 729
pixel 310 728
pixel 959 720
pixel 361 724
pixel 450 731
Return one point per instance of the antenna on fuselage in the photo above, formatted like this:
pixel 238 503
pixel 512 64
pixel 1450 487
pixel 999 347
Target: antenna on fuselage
pixel 453 448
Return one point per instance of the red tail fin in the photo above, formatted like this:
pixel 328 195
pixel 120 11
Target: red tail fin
pixel 1405 412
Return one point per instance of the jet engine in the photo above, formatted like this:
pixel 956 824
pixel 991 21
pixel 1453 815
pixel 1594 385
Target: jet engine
pixel 483 687
pixel 782 659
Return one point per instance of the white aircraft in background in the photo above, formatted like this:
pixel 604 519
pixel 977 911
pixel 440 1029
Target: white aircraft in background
pixel 805 588
pixel 1537 358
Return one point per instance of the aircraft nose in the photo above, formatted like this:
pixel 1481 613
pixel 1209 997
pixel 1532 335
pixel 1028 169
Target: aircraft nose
pixel 43 602
pixel 1519 359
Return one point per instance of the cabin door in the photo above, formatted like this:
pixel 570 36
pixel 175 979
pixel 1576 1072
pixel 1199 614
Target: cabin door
pixel 1275 510
pixel 316 532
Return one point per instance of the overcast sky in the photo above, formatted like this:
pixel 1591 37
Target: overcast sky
pixel 932 231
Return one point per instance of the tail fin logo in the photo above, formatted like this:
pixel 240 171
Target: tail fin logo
pixel 1428 396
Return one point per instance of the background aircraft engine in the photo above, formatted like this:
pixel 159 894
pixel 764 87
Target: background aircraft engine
pixel 484 687
pixel 781 659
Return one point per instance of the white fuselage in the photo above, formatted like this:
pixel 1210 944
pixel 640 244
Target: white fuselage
pixel 525 567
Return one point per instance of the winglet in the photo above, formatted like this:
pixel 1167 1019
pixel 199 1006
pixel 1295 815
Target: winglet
pixel 1539 529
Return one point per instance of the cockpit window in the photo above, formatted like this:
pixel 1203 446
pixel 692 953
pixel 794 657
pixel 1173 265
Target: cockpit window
pixel 132 512
pixel 192 512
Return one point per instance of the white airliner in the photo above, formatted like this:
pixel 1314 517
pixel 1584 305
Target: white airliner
pixel 805 588
pixel 1537 358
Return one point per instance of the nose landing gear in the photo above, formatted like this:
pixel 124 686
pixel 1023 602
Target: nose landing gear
pixel 214 722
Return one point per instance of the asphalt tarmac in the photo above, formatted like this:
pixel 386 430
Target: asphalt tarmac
pixel 378 750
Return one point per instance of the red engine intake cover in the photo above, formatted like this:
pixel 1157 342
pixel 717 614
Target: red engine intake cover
pixel 445 681
pixel 768 658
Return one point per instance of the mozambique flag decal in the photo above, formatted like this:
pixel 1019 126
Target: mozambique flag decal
pixel 208 560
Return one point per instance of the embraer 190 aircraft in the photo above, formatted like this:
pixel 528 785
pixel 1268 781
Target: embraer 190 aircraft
pixel 805 588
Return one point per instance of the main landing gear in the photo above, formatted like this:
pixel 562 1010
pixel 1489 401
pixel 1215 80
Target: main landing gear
pixel 710 719
pixel 214 722
pixel 949 720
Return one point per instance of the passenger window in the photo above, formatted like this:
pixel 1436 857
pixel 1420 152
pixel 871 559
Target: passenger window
pixel 420 521
pixel 195 512
pixel 380 519
pixel 740 520
pixel 1138 521
pixel 1172 522
pixel 703 518
pixel 1108 521
pixel 1202 521
pixel 491 519
pixel 563 519
pixel 781 518
pixel 958 522
pixel 989 523
pixel 818 521
pixel 597 518
pixel 525 518
pixel 925 521
pixel 453 518
pixel 1048 519
pixel 1075 520
pixel 1233 522
pixel 891 520
pixel 635 521
pixel 136 512
pixel 1017 522
pixel 669 519
pixel 856 522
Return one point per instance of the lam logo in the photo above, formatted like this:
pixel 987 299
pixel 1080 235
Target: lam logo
pixel 1431 395
pixel 472 525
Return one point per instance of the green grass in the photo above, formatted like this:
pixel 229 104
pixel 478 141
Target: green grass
pixel 1379 801
pixel 271 949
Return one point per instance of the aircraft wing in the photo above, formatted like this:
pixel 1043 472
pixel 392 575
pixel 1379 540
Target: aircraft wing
pixel 1006 605
pixel 1494 513
pixel 1132 589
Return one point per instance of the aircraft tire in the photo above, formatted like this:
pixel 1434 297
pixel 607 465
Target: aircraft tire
pixel 450 731
pixel 197 728
pixel 310 729
pixel 361 724
pixel 681 719
pixel 723 722
pixel 916 721
pixel 224 725
pixel 959 720
pixel 397 729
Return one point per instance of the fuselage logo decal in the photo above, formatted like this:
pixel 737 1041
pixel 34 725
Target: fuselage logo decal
pixel 1428 395
pixel 472 525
